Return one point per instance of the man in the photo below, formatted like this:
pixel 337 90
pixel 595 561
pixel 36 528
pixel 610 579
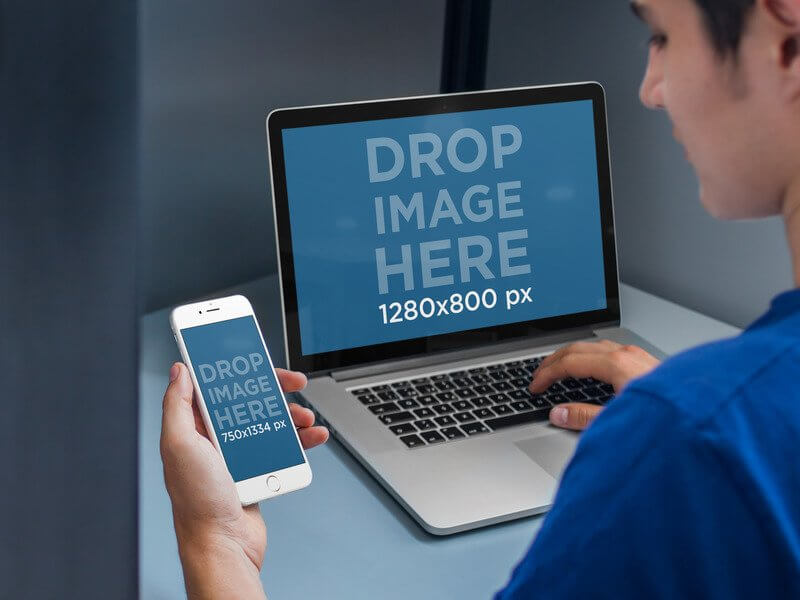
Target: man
pixel 688 484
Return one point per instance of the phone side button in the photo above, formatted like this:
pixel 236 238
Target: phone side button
pixel 273 483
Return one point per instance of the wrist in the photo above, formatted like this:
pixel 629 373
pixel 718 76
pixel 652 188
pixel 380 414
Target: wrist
pixel 215 565
pixel 247 531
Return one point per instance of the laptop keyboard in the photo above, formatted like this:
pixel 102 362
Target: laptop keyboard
pixel 458 404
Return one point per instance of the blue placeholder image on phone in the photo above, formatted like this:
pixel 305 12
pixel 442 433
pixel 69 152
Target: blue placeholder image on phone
pixel 247 411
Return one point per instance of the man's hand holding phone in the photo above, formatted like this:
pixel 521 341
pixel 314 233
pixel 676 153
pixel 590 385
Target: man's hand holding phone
pixel 604 360
pixel 215 532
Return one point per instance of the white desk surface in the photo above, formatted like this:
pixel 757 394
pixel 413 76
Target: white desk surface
pixel 344 536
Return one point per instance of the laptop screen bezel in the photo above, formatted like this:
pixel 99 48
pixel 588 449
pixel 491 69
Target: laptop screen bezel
pixel 290 118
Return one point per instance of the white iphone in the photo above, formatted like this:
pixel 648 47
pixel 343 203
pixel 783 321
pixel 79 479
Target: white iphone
pixel 243 407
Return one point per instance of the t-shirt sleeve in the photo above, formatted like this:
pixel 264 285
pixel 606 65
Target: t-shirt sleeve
pixel 644 510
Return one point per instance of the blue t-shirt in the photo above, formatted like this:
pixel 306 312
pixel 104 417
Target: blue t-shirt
pixel 688 484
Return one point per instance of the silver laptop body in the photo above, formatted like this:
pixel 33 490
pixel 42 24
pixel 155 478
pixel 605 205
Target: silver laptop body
pixel 473 480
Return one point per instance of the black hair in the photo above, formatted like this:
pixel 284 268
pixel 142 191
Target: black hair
pixel 725 21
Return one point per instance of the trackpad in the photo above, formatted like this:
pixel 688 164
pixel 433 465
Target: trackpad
pixel 551 452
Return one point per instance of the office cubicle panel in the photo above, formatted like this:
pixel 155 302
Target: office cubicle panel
pixel 68 315
pixel 210 73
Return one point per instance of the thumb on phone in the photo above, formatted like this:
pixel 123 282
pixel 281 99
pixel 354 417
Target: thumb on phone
pixel 178 414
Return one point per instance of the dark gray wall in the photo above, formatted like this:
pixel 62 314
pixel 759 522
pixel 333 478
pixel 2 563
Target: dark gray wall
pixel 668 244
pixel 68 314
pixel 210 72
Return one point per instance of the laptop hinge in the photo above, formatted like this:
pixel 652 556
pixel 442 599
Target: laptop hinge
pixel 452 356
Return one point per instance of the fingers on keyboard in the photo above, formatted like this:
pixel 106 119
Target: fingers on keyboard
pixel 425 411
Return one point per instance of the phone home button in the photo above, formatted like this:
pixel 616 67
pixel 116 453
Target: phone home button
pixel 273 483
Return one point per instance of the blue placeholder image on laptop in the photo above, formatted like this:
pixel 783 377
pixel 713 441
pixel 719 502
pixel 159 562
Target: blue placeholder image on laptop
pixel 410 227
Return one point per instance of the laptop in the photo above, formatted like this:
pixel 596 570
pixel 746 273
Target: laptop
pixel 432 250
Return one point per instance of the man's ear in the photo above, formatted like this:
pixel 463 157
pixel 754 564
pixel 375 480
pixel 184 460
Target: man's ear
pixel 785 16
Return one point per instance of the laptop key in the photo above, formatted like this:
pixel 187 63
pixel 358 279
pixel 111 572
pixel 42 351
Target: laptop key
pixel 401 384
pixel 461 382
pixel 518 372
pixel 409 392
pixel 424 424
pixel 465 393
pixel 412 441
pixel 498 398
pixel 446 396
pixel 432 436
pixel 474 428
pixel 607 388
pixel 557 398
pixel 575 396
pixel 480 378
pixel 443 409
pixel 483 413
pixel 532 416
pixel 420 380
pixel 503 409
pixel 452 433
pixel 464 417
pixel 445 421
pixel 402 429
pixel 593 392
pixel 514 363
pixel 427 400
pixel 424 413
pixel 457 374
pixel 393 418
pixel 409 403
pixel 499 375
pixel 502 386
pixel 444 385
pixel 477 370
pixel 367 399
pixel 520 405
pixel 483 389
pixel 388 395
pixel 539 401
pixel 382 409
pixel 605 399
pixel 426 388
pixel 462 405
pixel 570 383
pixel 519 395
pixel 481 402
pixel 360 392
pixel 441 377
pixel 380 388
pixel 521 382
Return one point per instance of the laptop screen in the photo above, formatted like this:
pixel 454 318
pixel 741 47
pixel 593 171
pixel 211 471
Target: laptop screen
pixel 404 228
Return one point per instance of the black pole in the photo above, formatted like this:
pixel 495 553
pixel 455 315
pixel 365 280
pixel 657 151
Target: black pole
pixel 466 41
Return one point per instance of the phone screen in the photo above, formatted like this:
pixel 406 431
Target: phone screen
pixel 253 427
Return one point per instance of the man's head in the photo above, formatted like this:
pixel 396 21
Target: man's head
pixel 728 74
pixel 725 21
